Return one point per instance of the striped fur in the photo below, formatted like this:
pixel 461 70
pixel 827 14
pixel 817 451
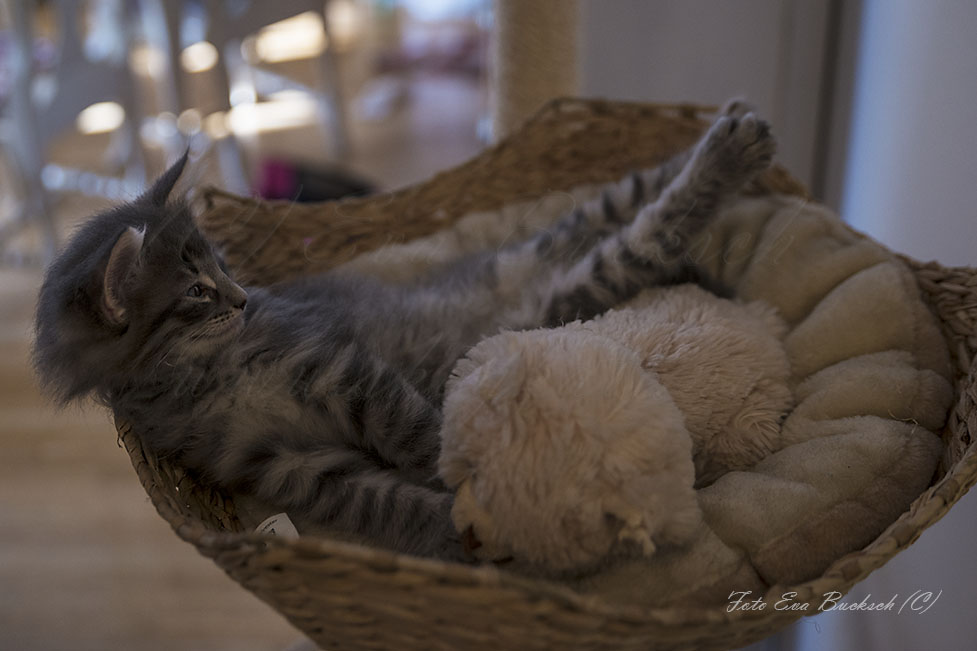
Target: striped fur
pixel 323 396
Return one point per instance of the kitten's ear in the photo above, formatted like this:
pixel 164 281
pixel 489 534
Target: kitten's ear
pixel 121 262
pixel 158 194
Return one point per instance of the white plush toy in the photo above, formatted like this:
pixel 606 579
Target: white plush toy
pixel 571 445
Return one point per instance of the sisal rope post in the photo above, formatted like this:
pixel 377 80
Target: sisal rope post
pixel 534 59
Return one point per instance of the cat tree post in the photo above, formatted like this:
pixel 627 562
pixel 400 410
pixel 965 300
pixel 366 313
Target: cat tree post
pixel 534 58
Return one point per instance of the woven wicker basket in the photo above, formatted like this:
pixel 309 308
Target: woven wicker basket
pixel 351 597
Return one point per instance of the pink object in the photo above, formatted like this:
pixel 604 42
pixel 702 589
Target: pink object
pixel 276 180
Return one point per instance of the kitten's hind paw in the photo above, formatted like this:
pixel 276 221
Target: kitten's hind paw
pixel 735 149
pixel 737 107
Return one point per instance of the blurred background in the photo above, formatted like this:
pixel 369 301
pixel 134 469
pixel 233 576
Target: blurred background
pixel 873 102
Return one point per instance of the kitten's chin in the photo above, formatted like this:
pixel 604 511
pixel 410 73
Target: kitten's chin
pixel 228 329
pixel 217 334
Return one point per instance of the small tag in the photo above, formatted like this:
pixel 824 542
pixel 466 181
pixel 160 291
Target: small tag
pixel 278 525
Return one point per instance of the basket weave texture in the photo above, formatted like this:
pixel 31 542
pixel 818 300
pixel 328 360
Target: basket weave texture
pixel 352 597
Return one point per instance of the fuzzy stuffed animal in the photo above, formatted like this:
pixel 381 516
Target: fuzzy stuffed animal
pixel 570 446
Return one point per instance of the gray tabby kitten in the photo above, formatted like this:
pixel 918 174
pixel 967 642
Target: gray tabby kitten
pixel 322 396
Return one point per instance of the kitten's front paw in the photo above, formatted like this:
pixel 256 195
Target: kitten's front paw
pixel 736 148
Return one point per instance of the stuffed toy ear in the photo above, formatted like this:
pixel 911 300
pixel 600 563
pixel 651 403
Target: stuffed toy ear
pixel 120 266
pixel 160 192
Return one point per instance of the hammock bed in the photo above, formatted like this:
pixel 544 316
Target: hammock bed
pixel 350 596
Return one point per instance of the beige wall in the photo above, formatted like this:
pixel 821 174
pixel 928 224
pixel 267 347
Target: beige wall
pixel 873 103
pixel 770 51
pixel 912 155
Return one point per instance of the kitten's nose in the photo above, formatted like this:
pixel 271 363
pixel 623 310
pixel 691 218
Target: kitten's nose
pixel 238 297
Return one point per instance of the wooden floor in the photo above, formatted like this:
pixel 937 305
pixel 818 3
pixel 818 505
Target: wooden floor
pixel 85 562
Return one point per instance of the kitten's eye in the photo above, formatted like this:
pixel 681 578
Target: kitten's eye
pixel 196 291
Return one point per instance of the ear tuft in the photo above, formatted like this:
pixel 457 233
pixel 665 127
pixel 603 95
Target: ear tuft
pixel 160 192
pixel 119 268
